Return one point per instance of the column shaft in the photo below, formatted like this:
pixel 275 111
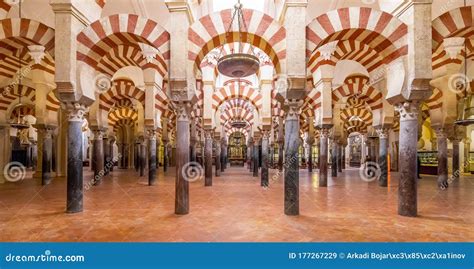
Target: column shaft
pixel 442 158
pixel 152 158
pixel 182 161
pixel 323 158
pixel 456 170
pixel 334 159
pixel 256 161
pixel 264 175
pixel 98 157
pixel 47 157
pixel 208 158
pixel 218 158
pixel 291 179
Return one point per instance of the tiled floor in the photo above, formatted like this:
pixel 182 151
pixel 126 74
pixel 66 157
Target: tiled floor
pixel 235 208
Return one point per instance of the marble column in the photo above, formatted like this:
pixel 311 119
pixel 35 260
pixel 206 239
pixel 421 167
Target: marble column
pixel 383 155
pixel 223 154
pixel 343 150
pixel 142 157
pixel 407 188
pixel 442 141
pixel 339 157
pixel 182 159
pixel 111 154
pixel 280 155
pixel 334 158
pixel 98 156
pixel 165 156
pixel 151 157
pixel 250 153
pixel 272 155
pixel 136 156
pixel 106 145
pixel 122 157
pixel 208 157
pixel 47 152
pixel 217 142
pixel 34 154
pixel 265 144
pixel 192 148
pixel 292 138
pixel 456 171
pixel 467 149
pixel 256 160
pixel 323 156
pixel 310 142
pixel 76 113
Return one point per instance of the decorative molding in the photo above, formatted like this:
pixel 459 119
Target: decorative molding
pixel 453 46
pixel 37 53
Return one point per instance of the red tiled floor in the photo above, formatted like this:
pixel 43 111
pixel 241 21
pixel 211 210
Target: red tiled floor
pixel 235 208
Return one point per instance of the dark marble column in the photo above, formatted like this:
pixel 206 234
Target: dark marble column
pixel 456 170
pixel 34 154
pixel 192 148
pixel 122 156
pixel 407 188
pixel 208 157
pixel 256 160
pixel 151 157
pixel 310 141
pixel 111 154
pixel 250 151
pixel 182 159
pixel 280 155
pixel 264 182
pixel 217 142
pixel 339 157
pixel 142 157
pixel 292 138
pixel 383 155
pixel 334 158
pixel 106 146
pixel 98 156
pixel 223 154
pixel 165 156
pixel 136 156
pixel 343 165
pixel 323 156
pixel 272 153
pixel 74 202
pixel 47 155
pixel 442 142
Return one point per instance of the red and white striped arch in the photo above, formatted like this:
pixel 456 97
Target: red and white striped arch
pixel 236 90
pixel 436 99
pixel 52 102
pixel 11 93
pixel 379 30
pixel 264 32
pixel 102 36
pixel 456 22
pixel 357 86
pixel 4 9
pixel 126 55
pixel 121 89
pixel 363 114
pixel 123 113
pixel 22 111
pixel 24 32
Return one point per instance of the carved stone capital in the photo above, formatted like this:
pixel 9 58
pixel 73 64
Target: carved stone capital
pixel 408 110
pixel 325 132
pixel 75 111
pixel 441 133
pixel 382 132
pixel 293 109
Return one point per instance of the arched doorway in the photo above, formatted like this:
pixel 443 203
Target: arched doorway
pixel 237 149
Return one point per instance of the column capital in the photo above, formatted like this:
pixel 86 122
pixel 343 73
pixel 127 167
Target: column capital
pixel 325 131
pixel 75 111
pixel 292 107
pixel 408 110
pixel 183 111
pixel 441 133
pixel 382 131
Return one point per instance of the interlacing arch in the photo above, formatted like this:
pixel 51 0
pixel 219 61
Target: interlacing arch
pixel 358 85
pixel 236 90
pixel 210 32
pixel 122 114
pixel 436 99
pixel 11 93
pixel 102 36
pixel 22 110
pixel 15 36
pixel 383 32
pixel 121 89
pixel 356 114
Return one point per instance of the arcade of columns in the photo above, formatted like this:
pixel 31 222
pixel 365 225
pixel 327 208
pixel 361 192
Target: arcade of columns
pixel 294 101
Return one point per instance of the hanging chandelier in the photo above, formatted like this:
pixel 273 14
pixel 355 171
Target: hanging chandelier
pixel 19 123
pixel 466 115
pixel 238 65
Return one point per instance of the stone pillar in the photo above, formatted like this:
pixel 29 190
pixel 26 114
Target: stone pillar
pixel 323 156
pixel 217 142
pixel 265 144
pixel 292 138
pixel 280 155
pixel 310 141
pixel 165 156
pixel 98 156
pixel 122 156
pixel 442 142
pixel 334 158
pixel 208 157
pixel 383 155
pixel 407 188
pixel 272 155
pixel 343 164
pixel 111 154
pixel 142 156
pixel 46 134
pixel 467 149
pixel 182 159
pixel 339 157
pixel 151 157
pixel 34 154
pixel 136 156
pixel 223 154
pixel 107 158
pixel 456 170
pixel 192 148
pixel 256 160
pixel 250 153
pixel 74 165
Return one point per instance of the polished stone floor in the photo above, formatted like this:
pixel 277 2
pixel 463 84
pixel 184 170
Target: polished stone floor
pixel 235 208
